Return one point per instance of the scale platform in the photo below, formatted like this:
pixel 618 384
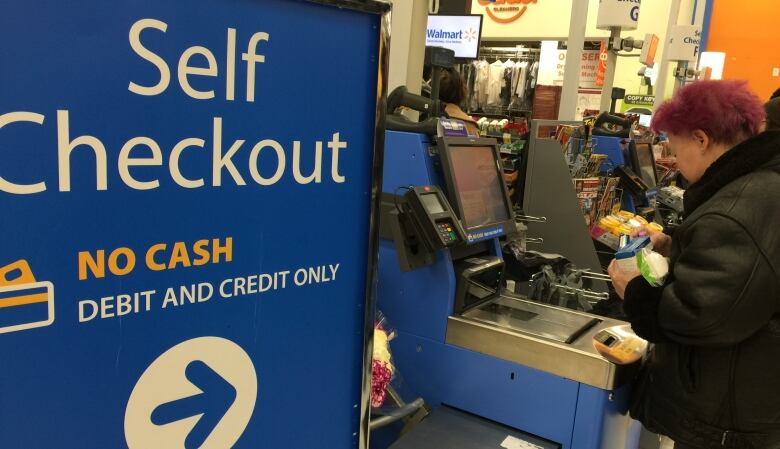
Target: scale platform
pixel 536 319
pixel 547 338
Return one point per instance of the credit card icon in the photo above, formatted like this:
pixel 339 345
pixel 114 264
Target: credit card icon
pixel 25 303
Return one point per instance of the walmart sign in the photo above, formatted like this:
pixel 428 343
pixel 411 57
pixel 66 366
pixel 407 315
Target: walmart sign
pixel 458 33
pixel 442 34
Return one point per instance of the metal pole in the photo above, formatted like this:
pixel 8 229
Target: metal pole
pixel 397 414
pixel 679 81
pixel 571 80
pixel 663 69
pixel 609 74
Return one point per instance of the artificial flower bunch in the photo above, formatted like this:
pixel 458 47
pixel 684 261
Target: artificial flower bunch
pixel 382 367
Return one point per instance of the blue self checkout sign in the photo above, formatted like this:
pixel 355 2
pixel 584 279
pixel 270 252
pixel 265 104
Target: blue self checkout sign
pixel 173 272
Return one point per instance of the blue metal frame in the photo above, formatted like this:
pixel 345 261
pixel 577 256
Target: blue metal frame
pixel 511 394
pixel 73 61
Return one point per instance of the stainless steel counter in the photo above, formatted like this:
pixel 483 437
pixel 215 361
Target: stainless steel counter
pixel 550 339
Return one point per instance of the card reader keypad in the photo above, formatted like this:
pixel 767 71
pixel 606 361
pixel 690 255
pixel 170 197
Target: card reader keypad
pixel 447 232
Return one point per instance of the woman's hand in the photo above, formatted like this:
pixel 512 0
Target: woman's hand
pixel 662 243
pixel 620 279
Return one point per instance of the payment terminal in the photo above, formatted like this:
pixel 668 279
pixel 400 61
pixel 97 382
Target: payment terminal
pixel 435 217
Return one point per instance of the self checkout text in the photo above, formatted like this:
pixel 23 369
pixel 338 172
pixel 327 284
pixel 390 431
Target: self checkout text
pixel 142 163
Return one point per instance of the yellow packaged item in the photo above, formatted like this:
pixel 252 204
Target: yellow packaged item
pixel 655 227
pixel 624 229
pixel 608 222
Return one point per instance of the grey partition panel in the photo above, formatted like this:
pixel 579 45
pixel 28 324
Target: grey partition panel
pixel 549 192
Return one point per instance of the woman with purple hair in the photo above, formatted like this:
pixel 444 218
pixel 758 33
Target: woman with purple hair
pixel 712 379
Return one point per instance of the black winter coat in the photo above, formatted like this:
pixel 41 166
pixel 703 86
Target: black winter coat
pixel 712 378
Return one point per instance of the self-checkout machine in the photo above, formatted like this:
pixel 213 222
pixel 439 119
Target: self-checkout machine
pixel 498 370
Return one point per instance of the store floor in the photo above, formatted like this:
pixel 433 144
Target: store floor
pixel 649 440
pixel 454 429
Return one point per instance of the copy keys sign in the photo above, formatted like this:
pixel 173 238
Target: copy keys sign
pixel 186 191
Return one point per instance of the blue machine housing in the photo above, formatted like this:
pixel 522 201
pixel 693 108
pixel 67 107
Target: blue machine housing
pixel 418 304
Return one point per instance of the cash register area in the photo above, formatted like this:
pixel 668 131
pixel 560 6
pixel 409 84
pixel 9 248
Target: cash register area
pixel 502 328
pixel 497 325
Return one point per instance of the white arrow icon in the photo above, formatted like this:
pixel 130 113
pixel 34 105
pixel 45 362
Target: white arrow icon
pixel 200 394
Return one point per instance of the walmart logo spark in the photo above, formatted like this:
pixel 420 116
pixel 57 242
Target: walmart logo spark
pixel 470 35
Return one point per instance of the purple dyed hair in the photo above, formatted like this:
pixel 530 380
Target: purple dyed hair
pixel 726 110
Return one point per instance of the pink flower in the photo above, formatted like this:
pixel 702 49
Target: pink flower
pixel 382 375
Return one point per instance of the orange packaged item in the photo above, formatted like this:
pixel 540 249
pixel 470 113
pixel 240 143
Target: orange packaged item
pixel 619 345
